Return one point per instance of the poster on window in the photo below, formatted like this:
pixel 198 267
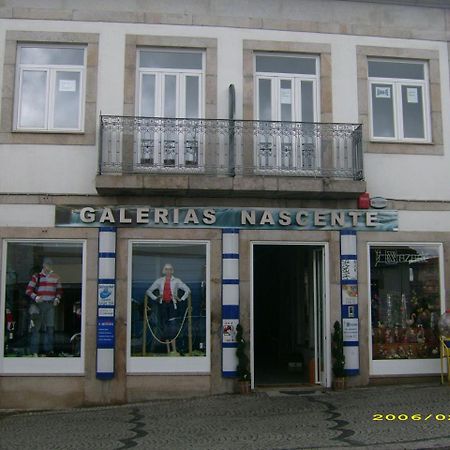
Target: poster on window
pixel 412 95
pixel 67 85
pixel 382 92
pixel 285 96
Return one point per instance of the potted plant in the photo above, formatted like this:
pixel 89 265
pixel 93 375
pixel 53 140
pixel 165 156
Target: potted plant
pixel 242 369
pixel 337 351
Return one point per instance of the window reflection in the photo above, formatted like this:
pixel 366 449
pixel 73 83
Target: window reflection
pixel 33 99
pixel 52 55
pixel 43 303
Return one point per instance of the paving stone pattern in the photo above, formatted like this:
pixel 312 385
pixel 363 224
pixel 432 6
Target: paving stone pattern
pixel 275 419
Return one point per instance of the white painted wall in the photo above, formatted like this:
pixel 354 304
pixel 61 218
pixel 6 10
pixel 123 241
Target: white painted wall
pixel 27 215
pixel 48 169
pixel 72 169
pixel 424 221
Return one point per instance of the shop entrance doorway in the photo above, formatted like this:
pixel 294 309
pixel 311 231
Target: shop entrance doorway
pixel 288 314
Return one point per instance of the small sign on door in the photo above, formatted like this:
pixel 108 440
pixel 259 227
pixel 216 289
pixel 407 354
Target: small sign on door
pixel 67 85
pixel 383 92
pixel 412 95
pixel 285 96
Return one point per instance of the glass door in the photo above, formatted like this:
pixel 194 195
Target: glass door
pixel 287 110
pixel 174 97
pixel 170 91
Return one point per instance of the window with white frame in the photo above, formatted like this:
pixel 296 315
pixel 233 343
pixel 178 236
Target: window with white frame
pixel 399 100
pixel 169 307
pixel 170 87
pixel 287 90
pixel 406 302
pixel 50 89
pixel 43 306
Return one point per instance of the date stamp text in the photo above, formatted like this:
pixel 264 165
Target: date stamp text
pixel 441 417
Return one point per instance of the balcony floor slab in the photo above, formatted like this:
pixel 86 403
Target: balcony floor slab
pixel 198 185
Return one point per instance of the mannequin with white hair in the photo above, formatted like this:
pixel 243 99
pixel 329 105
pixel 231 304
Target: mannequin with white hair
pixel 165 292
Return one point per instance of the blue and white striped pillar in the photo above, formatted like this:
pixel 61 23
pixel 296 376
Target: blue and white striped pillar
pixel 230 299
pixel 106 302
pixel 349 301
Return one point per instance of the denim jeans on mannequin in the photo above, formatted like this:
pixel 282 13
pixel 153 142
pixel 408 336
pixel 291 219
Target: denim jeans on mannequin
pixel 43 322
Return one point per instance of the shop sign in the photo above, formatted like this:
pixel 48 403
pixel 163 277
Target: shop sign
pixel 390 257
pixel 229 330
pixel 242 218
pixel 106 295
pixel 350 330
pixel 105 333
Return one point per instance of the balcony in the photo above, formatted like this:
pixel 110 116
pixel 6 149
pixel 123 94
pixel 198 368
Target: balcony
pixel 220 157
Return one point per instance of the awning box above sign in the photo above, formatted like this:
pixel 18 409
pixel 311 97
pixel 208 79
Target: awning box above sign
pixel 242 218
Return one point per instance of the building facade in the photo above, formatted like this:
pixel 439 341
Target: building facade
pixel 169 171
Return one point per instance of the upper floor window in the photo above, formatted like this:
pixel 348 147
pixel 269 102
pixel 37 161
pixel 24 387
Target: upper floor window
pixel 287 91
pixel 399 100
pixel 287 88
pixel 170 87
pixel 170 83
pixel 50 88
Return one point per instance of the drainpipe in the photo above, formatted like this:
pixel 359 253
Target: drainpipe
pixel 231 144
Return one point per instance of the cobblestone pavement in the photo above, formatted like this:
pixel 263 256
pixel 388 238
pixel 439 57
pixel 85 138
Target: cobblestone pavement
pixel 411 417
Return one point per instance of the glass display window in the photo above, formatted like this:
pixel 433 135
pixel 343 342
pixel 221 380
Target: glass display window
pixel 169 306
pixel 406 302
pixel 42 304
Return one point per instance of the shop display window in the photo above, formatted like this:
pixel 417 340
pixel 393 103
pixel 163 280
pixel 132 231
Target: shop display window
pixel 43 292
pixel 169 304
pixel 405 301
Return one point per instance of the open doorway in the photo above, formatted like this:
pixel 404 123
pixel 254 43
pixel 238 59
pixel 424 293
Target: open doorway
pixel 288 314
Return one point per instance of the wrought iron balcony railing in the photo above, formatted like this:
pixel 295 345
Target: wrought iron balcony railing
pixel 230 147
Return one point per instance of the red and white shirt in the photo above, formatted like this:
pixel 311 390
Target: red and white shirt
pixel 47 286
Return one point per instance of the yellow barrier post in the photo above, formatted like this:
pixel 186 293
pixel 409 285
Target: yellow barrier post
pixel 445 354
pixel 144 327
pixel 190 324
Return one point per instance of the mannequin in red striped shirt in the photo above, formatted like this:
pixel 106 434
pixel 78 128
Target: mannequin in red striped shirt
pixel 45 291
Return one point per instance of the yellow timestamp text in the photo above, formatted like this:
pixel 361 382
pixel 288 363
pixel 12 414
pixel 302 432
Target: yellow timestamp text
pixel 441 417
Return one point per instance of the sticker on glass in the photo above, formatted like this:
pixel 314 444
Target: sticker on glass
pixel 383 92
pixel 412 95
pixel 67 85
pixel 285 96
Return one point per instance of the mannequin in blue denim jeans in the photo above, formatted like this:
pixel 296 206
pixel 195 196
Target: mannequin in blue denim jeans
pixel 164 291
pixel 45 291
